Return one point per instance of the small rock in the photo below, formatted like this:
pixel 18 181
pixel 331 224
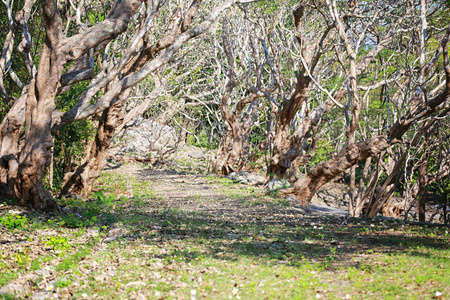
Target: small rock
pixel 41 295
pixel 246 177
pixel 111 238
pixel 334 242
pixel 135 284
pixel 14 289
pixel 276 184
pixel 196 154
pixel 44 272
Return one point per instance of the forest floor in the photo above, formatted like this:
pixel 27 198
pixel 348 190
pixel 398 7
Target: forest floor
pixel 178 233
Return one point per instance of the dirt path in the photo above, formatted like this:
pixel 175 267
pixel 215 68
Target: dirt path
pixel 199 193
pixel 213 196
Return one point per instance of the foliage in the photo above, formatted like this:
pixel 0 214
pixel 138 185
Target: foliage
pixel 57 243
pixel 12 221
pixel 71 141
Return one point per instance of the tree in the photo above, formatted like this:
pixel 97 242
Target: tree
pixel 67 57
pixel 417 108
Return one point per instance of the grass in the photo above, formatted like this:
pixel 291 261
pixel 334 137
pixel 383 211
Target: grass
pixel 248 247
pixel 248 195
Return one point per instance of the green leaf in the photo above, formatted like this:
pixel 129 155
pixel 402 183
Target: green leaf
pixel 92 17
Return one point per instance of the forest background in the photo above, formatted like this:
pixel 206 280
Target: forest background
pixel 308 91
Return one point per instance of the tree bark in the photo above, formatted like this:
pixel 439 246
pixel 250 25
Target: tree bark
pixel 237 126
pixel 422 190
pixel 360 200
pixel 10 129
pixel 233 160
pixel 81 181
pixel 287 147
pixel 36 156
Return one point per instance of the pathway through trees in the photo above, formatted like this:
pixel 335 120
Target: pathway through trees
pixel 152 233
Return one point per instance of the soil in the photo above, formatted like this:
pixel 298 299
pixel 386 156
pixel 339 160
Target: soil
pixel 178 185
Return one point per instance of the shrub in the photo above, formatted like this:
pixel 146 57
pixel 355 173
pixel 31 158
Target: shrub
pixel 12 221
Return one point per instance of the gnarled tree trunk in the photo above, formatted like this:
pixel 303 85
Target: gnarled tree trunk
pixel 10 129
pixel 232 153
pixel 81 181
pixel 290 151
pixel 288 148
pixel 36 156
pixel 237 127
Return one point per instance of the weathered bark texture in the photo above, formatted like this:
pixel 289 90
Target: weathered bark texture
pixel 384 191
pixel 290 151
pixel 82 180
pixel 422 189
pixel 359 199
pixel 9 135
pixel 231 155
pixel 36 154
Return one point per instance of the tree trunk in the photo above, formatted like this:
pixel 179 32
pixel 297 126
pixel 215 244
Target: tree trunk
pixel 289 153
pixel 9 140
pixel 287 147
pixel 360 200
pixel 82 180
pixel 231 161
pixel 384 191
pixel 236 158
pixel 238 124
pixel 445 196
pixel 351 192
pixel 36 154
pixel 222 153
pixel 278 163
pixel 238 131
pixel 422 188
